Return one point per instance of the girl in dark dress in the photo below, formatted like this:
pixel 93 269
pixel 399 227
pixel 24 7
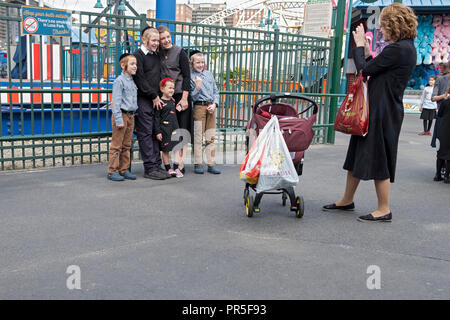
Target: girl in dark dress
pixel 374 156
pixel 166 124
pixel 443 139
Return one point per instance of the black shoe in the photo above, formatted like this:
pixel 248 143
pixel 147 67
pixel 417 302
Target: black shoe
pixel 333 207
pixel 371 218
pixel 446 180
pixel 438 178
pixel 164 173
pixel 155 175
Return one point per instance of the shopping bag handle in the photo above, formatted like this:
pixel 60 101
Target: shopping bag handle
pixel 275 96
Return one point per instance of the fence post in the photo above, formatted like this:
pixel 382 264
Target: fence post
pixel 336 72
pixel 143 19
pixel 276 43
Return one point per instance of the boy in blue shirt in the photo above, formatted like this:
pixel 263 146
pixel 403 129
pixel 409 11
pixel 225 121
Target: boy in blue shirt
pixel 124 97
pixel 205 95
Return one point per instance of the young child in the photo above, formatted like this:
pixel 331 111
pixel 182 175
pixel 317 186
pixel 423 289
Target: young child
pixel 166 123
pixel 124 97
pixel 205 95
pixel 427 108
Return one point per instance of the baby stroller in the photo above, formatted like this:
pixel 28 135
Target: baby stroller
pixel 298 135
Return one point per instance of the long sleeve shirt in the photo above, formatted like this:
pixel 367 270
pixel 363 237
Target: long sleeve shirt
pixel 426 102
pixel 440 87
pixel 208 91
pixel 124 97
pixel 148 73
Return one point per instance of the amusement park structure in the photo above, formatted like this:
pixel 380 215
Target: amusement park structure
pixel 288 14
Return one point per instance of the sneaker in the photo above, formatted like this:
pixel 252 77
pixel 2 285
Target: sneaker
pixel 164 173
pixel 155 175
pixel 178 173
pixel 213 170
pixel 198 169
pixel 128 175
pixel 115 176
pixel 438 177
pixel 429 133
pixel 172 172
pixel 422 133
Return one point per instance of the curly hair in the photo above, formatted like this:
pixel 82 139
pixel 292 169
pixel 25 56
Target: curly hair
pixel 399 22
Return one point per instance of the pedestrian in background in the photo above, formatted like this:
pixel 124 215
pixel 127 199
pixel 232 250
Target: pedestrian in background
pixel 374 156
pixel 427 107
pixel 439 90
pixel 443 139
pixel 124 97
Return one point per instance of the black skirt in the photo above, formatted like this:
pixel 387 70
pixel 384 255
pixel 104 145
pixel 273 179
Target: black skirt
pixel 428 114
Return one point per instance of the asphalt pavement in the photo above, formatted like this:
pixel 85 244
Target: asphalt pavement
pixel 69 233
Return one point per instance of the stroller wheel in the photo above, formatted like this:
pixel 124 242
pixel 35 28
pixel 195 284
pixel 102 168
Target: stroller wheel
pixel 283 199
pixel 249 206
pixel 300 207
pixel 246 192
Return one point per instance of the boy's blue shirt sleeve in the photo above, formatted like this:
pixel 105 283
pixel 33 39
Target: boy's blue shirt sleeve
pixel 216 91
pixel 117 100
pixel 194 91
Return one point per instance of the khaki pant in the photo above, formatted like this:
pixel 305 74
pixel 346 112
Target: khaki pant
pixel 204 124
pixel 119 150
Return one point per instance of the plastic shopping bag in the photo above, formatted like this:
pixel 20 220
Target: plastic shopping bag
pixel 353 114
pixel 277 169
pixel 251 166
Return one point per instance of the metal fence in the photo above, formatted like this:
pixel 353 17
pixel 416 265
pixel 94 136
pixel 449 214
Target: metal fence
pixel 56 92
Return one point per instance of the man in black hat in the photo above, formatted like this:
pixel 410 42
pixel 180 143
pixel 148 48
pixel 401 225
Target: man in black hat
pixel 147 80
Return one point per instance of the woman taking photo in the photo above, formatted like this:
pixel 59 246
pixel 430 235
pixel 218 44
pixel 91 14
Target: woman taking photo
pixel 374 156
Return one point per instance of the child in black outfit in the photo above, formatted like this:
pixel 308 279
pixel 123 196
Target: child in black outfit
pixel 166 124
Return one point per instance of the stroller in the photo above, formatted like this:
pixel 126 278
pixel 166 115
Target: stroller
pixel 298 135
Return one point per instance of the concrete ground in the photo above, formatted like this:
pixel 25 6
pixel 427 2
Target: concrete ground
pixel 190 239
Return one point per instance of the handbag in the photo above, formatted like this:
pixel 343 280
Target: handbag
pixel 353 114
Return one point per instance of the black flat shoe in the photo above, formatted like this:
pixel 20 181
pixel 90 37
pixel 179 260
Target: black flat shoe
pixel 333 207
pixel 371 218
pixel 438 178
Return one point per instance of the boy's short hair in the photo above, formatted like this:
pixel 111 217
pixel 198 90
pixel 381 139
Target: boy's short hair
pixel 147 30
pixel 163 82
pixel 123 60
pixel 195 55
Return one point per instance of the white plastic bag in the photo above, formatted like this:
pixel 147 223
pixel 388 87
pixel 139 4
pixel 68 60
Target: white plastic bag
pixel 251 165
pixel 277 169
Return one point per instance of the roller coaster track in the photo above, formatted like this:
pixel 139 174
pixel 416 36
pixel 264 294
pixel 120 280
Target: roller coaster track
pixel 279 8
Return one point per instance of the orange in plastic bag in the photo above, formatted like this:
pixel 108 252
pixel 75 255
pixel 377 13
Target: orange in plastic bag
pixel 353 114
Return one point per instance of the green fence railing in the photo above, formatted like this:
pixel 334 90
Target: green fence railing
pixel 56 92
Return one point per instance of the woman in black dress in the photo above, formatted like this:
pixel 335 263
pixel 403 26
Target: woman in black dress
pixel 374 156
pixel 443 137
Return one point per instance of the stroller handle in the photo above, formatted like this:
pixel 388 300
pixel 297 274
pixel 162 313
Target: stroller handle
pixel 274 97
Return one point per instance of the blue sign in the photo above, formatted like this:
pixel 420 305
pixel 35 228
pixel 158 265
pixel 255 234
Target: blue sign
pixel 46 22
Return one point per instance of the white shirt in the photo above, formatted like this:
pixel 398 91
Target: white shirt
pixel 426 102
pixel 146 51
